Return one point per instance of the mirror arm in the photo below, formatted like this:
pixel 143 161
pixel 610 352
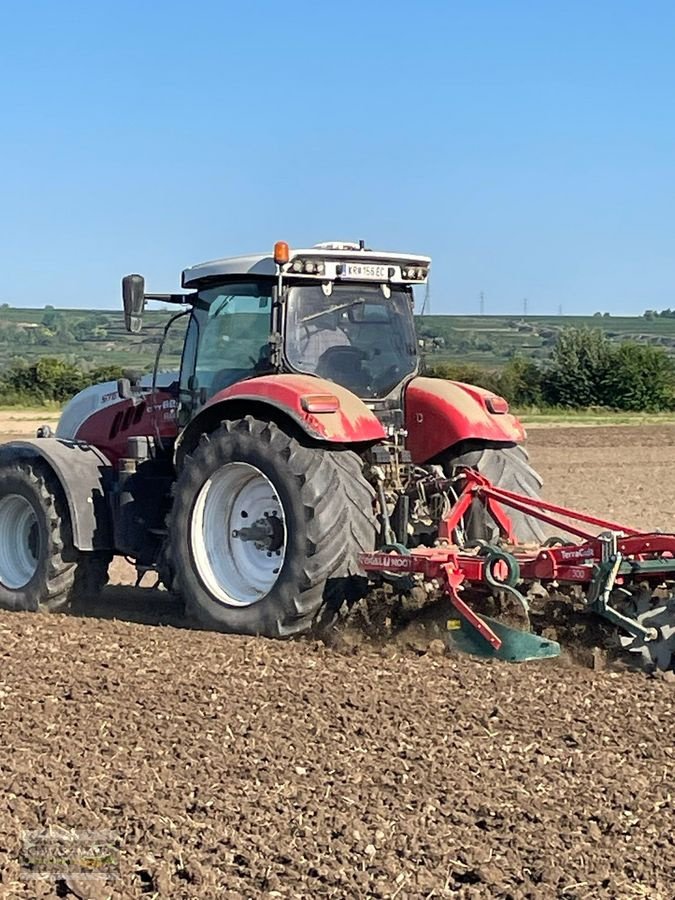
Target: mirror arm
pixel 180 299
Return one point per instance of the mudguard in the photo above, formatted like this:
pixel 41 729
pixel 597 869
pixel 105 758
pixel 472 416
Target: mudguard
pixel 440 414
pixel 352 421
pixel 84 474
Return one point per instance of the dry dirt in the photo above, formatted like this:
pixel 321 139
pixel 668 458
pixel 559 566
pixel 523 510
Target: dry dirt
pixel 230 767
pixel 19 423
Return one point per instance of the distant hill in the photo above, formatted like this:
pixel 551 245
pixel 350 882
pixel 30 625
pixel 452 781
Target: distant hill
pixel 492 340
pixel 86 337
pixel 96 337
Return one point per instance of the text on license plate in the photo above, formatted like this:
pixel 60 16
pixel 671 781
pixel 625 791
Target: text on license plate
pixel 365 270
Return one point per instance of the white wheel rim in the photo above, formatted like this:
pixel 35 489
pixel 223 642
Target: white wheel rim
pixel 19 541
pixel 238 571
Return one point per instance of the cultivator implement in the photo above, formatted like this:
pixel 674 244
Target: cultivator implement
pixel 615 571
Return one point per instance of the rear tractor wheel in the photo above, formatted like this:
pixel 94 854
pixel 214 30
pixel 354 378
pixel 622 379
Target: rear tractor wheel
pixel 265 531
pixel 40 569
pixel 506 467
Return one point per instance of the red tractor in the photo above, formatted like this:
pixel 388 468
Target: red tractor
pixel 298 434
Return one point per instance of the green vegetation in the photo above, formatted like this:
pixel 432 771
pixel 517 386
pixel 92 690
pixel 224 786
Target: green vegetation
pixel 97 337
pixel 47 355
pixel 590 418
pixel 494 340
pixel 49 381
pixel 85 338
pixel 536 362
pixel 585 370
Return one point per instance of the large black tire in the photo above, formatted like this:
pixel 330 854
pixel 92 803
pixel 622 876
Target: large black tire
pixel 91 576
pixel 60 575
pixel 327 506
pixel 506 467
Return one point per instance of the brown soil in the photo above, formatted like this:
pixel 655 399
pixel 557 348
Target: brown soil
pixel 22 423
pixel 231 767
pixel 623 472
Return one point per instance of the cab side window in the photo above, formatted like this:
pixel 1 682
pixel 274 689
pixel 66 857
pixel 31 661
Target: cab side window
pixel 234 328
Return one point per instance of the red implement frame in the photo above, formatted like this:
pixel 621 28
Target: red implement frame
pixel 578 563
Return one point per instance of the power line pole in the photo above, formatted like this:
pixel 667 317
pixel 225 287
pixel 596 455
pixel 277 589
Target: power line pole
pixel 524 306
pixel 482 304
pixel 426 306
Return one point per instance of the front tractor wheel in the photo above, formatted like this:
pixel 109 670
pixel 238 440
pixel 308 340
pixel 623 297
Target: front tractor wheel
pixel 264 530
pixel 40 570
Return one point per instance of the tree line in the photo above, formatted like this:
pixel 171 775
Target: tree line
pixel 585 370
pixel 50 380
pixel 659 314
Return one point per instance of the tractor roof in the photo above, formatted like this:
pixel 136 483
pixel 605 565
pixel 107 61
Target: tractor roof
pixel 263 264
pixel 255 264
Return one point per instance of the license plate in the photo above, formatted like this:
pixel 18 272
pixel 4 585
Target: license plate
pixel 366 271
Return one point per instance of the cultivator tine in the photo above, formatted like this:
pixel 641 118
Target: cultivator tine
pixel 514 645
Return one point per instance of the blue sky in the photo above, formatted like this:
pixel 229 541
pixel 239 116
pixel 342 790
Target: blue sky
pixel 529 147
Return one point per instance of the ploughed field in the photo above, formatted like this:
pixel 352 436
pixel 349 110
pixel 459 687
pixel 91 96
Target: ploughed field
pixel 231 767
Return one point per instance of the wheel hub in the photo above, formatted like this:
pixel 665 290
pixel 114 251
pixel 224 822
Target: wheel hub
pixel 238 534
pixel 266 533
pixel 19 541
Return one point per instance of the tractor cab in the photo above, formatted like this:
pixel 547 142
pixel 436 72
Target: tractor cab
pixel 337 311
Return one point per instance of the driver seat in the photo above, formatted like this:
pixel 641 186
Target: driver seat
pixel 343 365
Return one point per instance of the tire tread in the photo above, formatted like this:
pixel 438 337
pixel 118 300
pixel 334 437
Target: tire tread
pixel 336 499
pixel 70 575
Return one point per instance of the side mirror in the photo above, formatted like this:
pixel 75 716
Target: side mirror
pixel 133 297
pixel 124 389
pixel 129 386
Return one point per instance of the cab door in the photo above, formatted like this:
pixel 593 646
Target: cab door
pixel 228 340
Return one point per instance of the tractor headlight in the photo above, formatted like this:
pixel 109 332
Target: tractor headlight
pixel 414 273
pixel 308 266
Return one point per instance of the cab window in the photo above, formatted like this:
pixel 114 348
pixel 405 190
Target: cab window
pixel 233 334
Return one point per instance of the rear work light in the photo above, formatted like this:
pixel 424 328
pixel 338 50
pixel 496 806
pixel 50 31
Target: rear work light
pixel 308 266
pixel 320 403
pixel 497 405
pixel 414 273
